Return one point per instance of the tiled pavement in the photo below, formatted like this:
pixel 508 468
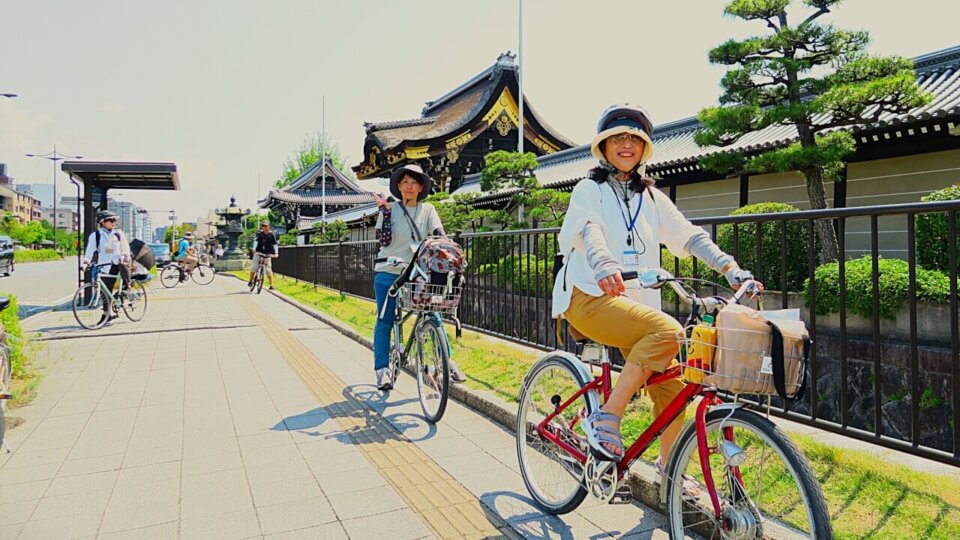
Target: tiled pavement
pixel 224 415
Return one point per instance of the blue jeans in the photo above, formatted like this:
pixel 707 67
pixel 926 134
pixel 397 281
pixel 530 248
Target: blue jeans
pixel 384 326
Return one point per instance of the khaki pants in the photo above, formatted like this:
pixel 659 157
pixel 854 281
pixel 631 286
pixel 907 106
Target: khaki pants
pixel 189 263
pixel 644 335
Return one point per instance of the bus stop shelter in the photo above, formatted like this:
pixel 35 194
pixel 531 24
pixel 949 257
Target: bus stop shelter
pixel 97 178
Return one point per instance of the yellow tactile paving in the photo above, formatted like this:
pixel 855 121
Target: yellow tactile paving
pixel 443 503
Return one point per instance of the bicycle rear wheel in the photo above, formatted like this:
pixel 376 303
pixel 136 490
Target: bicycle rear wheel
pixel 170 276
pixel 432 353
pixel 135 305
pixel 90 304
pixel 6 375
pixel 553 476
pixel 771 494
pixel 202 275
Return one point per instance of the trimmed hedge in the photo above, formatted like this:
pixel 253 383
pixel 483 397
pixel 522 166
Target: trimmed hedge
pixel 933 232
pixel 521 272
pixel 932 286
pixel 11 322
pixel 36 255
pixel 769 268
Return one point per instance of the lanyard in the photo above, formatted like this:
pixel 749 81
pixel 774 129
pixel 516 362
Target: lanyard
pixel 632 223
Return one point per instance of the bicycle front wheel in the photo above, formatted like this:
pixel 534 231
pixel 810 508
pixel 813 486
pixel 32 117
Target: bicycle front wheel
pixel 432 354
pixel 258 284
pixel 202 274
pixel 764 484
pixel 552 475
pixel 170 276
pixel 135 305
pixel 90 305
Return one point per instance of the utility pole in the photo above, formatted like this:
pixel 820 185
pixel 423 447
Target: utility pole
pixel 520 79
pixel 54 157
pixel 323 165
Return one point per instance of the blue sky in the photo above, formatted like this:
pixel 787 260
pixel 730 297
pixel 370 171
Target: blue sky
pixel 228 89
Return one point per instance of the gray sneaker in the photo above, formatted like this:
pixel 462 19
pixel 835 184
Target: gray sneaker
pixel 456 374
pixel 384 379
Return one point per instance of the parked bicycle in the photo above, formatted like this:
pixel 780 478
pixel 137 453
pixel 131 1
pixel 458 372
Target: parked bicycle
pixel 428 343
pixel 731 474
pixel 94 303
pixel 6 371
pixel 173 273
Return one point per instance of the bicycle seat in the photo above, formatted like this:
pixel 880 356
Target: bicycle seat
pixel 4 302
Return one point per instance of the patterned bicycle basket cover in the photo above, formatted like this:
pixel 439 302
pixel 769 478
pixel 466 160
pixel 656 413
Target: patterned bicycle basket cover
pixel 436 281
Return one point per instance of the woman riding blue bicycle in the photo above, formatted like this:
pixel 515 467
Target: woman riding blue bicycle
pixel 401 227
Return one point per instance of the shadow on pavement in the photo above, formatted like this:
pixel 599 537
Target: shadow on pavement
pixel 361 411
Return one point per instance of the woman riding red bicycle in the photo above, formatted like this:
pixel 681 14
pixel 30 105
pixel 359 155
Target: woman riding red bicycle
pixel 616 223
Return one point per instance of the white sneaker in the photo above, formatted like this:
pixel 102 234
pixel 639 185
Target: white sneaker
pixel 384 379
pixel 456 375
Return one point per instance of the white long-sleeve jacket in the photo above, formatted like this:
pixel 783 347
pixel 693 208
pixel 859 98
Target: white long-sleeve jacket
pixel 113 246
pixel 659 222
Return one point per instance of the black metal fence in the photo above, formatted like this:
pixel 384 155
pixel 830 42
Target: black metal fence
pixel 890 381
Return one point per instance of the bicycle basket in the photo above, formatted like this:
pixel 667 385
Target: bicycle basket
pixel 425 297
pixel 747 353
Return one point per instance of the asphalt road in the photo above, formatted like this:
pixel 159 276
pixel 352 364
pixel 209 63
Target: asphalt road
pixel 41 285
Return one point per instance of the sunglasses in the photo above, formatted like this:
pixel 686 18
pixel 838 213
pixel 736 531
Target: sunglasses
pixel 621 138
pixel 111 220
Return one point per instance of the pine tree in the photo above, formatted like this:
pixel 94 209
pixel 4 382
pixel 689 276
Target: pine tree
pixel 812 76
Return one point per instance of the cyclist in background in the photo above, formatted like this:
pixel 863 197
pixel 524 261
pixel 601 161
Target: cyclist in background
pixel 266 247
pixel 186 254
pixel 108 244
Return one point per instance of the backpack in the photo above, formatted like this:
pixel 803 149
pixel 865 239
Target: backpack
pixel 435 279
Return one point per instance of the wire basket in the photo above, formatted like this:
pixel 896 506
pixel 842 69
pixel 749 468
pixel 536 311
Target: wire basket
pixel 425 297
pixel 740 361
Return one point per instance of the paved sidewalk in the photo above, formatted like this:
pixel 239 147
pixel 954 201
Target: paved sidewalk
pixel 225 415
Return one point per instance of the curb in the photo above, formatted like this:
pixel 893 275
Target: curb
pixel 642 479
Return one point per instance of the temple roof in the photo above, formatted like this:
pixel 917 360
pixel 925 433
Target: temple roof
pixel 313 199
pixel 675 150
pixel 310 176
pixel 457 114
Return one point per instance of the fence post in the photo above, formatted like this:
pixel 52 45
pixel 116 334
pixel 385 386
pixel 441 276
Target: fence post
pixel 341 273
pixel 316 266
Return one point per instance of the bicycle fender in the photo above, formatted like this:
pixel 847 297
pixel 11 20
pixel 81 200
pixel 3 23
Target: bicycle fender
pixel 575 365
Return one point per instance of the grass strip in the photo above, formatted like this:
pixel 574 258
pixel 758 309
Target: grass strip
pixel 36 255
pixel 867 497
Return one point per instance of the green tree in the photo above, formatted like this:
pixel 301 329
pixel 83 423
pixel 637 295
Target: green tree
pixel 811 76
pixel 548 206
pixel 334 232
pixel 310 152
pixel 179 229
pixel 503 169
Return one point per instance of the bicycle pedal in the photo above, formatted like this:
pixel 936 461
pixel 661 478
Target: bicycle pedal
pixel 622 496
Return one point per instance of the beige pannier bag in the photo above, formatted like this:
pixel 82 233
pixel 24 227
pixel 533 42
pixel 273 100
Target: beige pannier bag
pixel 757 356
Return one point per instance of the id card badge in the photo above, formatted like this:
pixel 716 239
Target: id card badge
pixel 631 259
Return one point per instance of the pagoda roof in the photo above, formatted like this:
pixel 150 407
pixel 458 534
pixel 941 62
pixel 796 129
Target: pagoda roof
pixel 301 199
pixel 454 113
pixel 310 176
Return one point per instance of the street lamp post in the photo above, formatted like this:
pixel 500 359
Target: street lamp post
pixel 54 157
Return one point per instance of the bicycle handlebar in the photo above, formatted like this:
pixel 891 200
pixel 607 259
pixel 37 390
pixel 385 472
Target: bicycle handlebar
pixel 656 278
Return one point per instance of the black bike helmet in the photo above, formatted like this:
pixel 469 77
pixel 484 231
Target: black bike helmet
pixel 104 215
pixel 624 118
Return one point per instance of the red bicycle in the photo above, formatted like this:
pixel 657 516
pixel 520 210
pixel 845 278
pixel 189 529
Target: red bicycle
pixel 732 473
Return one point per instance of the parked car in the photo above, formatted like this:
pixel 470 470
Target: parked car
pixel 161 252
pixel 6 255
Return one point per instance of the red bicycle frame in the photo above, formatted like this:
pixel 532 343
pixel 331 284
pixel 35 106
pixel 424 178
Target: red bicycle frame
pixel 603 386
